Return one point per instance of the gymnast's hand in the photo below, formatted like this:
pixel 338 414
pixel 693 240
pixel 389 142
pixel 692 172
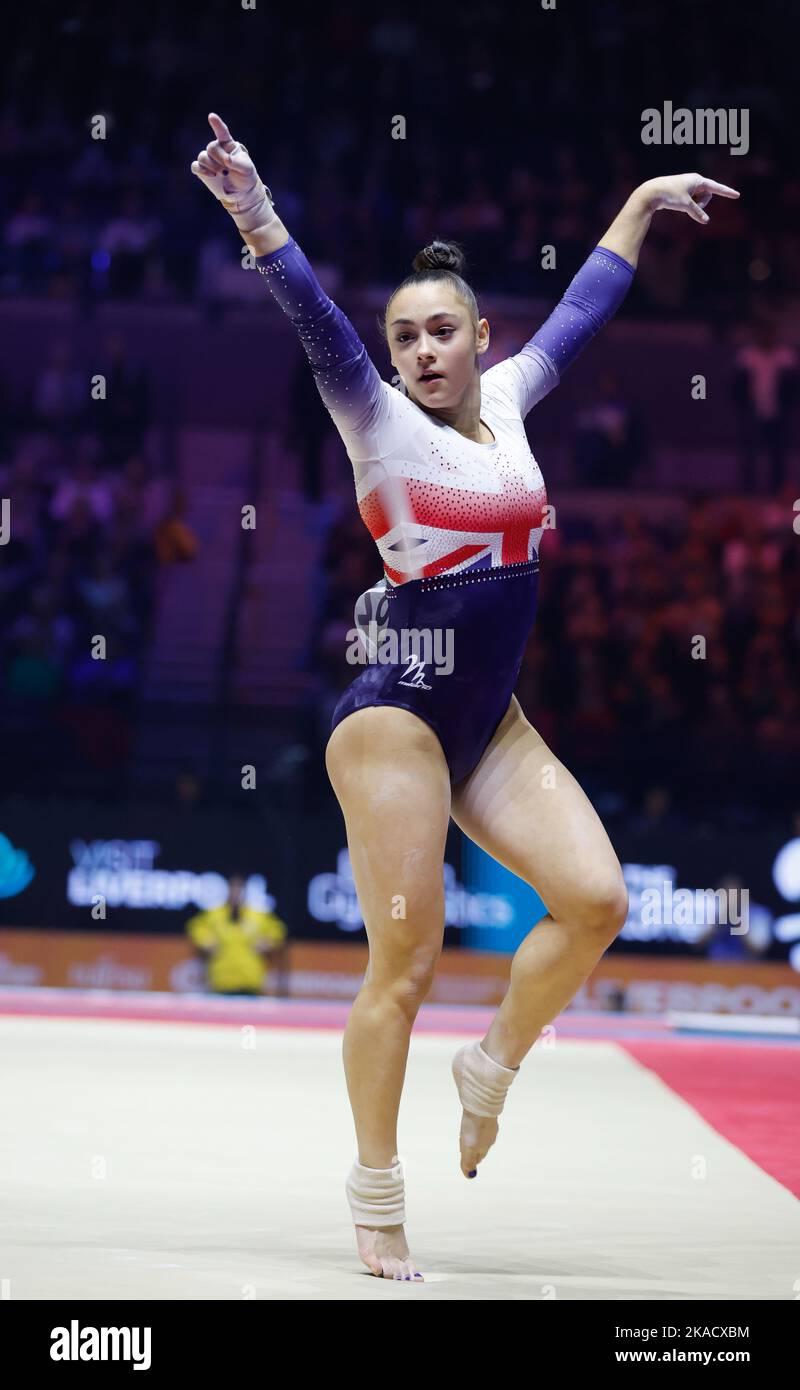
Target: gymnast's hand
pixel 685 193
pixel 225 167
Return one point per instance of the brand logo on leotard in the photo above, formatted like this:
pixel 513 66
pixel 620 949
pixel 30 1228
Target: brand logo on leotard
pixel 417 668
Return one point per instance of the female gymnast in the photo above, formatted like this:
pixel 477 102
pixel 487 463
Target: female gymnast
pixel 448 487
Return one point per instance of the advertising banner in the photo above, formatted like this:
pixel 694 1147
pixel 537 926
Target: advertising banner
pixel 148 868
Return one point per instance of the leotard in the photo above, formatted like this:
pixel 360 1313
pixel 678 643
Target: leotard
pixel 457 524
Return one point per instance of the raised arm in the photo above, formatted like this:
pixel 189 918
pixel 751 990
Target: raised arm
pixel 348 382
pixel 593 295
pixel 596 292
pixel 689 193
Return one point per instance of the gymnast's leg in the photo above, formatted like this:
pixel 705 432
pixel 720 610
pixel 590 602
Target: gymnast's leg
pixel 526 809
pixel 392 782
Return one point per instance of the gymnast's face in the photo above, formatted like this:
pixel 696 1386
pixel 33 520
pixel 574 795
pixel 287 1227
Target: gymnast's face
pixel 430 330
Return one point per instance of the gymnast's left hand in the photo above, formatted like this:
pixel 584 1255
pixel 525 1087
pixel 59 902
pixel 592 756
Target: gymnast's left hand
pixel 688 193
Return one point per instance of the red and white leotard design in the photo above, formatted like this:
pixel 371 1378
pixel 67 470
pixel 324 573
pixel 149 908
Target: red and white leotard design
pixel 434 501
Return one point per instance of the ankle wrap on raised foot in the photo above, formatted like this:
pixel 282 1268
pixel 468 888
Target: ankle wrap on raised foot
pixel 377 1195
pixel 482 1083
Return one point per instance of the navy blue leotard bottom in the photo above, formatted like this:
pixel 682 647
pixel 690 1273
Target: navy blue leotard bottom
pixel 483 617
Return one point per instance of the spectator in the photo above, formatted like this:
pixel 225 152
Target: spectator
pixel 128 239
pixel 84 485
pixel 236 939
pixel 73 240
pixel 608 438
pixel 723 937
pixel 174 540
pixel 765 386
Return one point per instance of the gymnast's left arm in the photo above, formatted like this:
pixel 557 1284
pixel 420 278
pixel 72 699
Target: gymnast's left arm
pixel 689 193
pixel 599 287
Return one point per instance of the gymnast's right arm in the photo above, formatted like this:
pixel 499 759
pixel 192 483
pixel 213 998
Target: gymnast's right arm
pixel 348 382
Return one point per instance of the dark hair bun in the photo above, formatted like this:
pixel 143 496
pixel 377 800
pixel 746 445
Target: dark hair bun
pixel 440 255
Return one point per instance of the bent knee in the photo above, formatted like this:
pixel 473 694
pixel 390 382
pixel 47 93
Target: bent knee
pixel 603 909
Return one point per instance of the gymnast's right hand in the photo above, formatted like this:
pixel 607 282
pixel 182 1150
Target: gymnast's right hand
pixel 225 167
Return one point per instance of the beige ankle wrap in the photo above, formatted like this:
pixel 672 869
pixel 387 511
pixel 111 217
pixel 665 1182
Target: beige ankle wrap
pixel 482 1083
pixel 377 1195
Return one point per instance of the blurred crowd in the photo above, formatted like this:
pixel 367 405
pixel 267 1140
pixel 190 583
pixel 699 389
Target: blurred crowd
pixel 88 522
pixel 474 132
pixel 666 651
pixel 480 138
pixel 610 441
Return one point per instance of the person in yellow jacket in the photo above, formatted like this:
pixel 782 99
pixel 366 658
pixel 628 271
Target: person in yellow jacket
pixel 237 938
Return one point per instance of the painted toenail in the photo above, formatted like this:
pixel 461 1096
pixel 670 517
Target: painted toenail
pixel 473 1173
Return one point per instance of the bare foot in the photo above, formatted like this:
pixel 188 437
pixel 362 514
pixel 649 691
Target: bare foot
pixel 384 1250
pixel 478 1133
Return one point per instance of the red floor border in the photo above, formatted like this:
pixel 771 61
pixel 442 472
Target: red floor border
pixel 750 1095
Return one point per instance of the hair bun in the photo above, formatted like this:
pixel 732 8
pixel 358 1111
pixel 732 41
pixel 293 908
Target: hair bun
pixel 440 255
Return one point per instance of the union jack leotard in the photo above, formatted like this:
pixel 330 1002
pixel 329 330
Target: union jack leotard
pixel 435 502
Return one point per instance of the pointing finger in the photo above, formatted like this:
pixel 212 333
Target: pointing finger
pixel 219 128
pixel 721 189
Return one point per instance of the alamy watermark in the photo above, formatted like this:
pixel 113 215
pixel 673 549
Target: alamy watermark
pixel 693 906
pixel 417 648
pixel 414 647
pixel 677 125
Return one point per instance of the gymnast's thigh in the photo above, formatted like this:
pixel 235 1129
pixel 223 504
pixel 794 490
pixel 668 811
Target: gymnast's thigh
pixel 391 779
pixel 525 808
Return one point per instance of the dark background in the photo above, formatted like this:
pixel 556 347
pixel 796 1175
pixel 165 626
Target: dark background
pixel 523 128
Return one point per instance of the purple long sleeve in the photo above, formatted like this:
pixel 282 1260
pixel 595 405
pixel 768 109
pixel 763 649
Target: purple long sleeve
pixel 347 380
pixel 592 297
